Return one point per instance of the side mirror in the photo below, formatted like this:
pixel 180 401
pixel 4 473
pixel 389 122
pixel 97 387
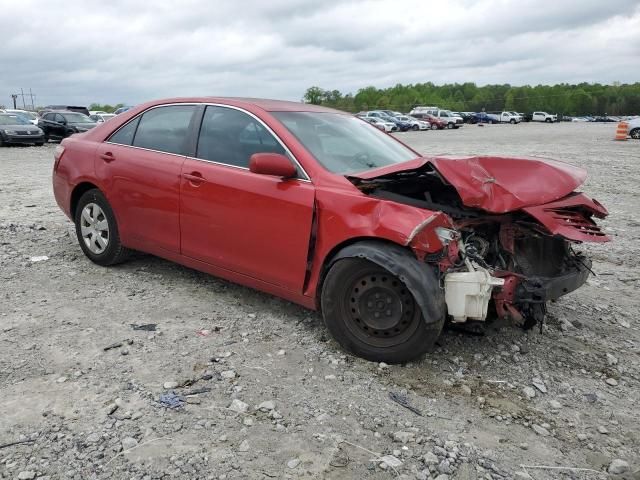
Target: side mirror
pixel 274 164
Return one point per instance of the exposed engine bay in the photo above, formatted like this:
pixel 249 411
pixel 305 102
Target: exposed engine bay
pixel 513 258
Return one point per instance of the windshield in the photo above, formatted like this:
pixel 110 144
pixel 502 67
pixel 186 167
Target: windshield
pixel 342 143
pixel 77 118
pixel 12 120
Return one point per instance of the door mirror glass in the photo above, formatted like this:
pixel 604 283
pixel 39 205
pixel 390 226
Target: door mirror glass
pixel 274 164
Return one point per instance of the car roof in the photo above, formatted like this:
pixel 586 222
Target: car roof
pixel 268 105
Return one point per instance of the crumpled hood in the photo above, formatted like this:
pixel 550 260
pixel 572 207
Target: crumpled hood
pixel 497 184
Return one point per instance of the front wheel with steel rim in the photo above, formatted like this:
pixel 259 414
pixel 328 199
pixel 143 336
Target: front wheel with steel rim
pixel 97 230
pixel 371 313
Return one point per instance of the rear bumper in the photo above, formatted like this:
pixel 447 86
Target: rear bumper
pixel 544 289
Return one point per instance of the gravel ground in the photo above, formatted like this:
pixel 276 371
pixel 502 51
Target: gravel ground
pixel 267 394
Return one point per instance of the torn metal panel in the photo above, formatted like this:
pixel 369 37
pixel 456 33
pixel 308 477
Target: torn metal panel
pixel 571 218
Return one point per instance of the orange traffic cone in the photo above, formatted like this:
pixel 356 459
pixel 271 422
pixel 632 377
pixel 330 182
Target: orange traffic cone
pixel 621 132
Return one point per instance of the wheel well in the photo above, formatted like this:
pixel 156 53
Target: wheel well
pixel 328 260
pixel 78 191
pixel 419 278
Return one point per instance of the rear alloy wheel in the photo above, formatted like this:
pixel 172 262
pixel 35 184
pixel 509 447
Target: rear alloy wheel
pixel 415 127
pixel 97 230
pixel 371 313
pixel 635 133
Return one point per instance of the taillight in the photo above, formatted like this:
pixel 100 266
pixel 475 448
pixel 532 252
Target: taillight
pixel 57 155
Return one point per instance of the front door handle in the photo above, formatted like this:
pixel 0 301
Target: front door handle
pixel 107 157
pixel 195 178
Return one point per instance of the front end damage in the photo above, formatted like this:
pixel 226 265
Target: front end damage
pixel 514 261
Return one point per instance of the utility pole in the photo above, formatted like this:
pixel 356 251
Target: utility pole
pixel 14 97
pixel 23 104
pixel 33 106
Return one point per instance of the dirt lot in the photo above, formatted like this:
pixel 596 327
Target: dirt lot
pixel 498 405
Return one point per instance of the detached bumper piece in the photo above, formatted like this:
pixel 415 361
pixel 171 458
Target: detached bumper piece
pixel 544 289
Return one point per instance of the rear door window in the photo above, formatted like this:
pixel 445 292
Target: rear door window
pixel 164 129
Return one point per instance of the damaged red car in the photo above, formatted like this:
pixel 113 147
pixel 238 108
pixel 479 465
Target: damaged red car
pixel 323 209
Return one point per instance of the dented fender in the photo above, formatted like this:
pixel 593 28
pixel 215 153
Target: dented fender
pixel 343 218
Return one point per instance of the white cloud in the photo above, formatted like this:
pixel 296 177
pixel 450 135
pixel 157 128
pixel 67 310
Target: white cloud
pixel 124 51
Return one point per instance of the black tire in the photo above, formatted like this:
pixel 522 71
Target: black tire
pixel 512 121
pixel 46 137
pixel 547 120
pixel 433 126
pixel 2 144
pixel 635 133
pixel 415 128
pixel 449 126
pixel 397 333
pixel 114 252
pixel 39 144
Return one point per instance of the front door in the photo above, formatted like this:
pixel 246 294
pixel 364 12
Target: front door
pixel 256 225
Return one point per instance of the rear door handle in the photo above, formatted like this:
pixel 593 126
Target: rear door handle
pixel 107 157
pixel 195 178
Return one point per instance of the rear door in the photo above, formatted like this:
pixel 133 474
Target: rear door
pixel 140 166
pixel 256 225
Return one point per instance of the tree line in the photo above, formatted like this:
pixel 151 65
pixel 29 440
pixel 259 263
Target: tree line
pixel 105 108
pixel 563 98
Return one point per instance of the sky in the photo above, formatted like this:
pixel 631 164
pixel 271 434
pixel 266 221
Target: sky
pixel 126 51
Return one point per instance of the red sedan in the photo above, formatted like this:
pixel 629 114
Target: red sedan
pixel 321 208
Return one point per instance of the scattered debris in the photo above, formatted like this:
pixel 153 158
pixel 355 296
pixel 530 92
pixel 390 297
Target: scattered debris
pixel 112 346
pixel 39 258
pixel 147 327
pixel 171 400
pixel 403 401
pixel 11 444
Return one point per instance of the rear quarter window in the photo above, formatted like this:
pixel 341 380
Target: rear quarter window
pixel 124 136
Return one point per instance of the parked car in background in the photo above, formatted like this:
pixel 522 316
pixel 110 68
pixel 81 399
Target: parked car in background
pixel 543 117
pixel 507 117
pixel 451 120
pixel 15 129
pixel 434 123
pixel 634 128
pixel 381 124
pixel 60 124
pixel 70 108
pixel 97 112
pixel 101 117
pixel 483 117
pixel 402 126
pixel 27 115
pixel 386 243
pixel 122 110
pixel 466 116
pixel 414 122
